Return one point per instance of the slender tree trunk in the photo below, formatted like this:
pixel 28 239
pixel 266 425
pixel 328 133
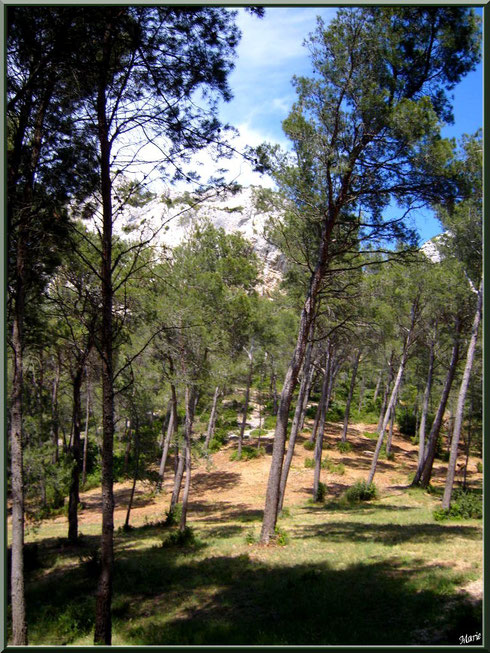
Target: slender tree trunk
pixel 87 418
pixel 135 473
pixel 295 425
pixel 394 392
pixel 321 424
pixel 55 411
pixel 290 380
pixel 179 473
pixel 129 444
pixel 425 407
pixel 349 398
pixel 312 437
pixel 245 407
pixel 165 423
pixel 189 421
pixel 212 418
pixel 275 402
pixel 74 497
pixel 306 398
pixel 390 432
pixel 376 389
pixel 361 394
pixel 103 620
pixel 171 429
pixel 19 625
pixel 424 475
pixel 458 419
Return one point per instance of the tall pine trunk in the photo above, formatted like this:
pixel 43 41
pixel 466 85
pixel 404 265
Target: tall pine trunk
pixel 423 477
pixel 245 406
pixel 212 418
pixel 87 418
pixel 189 421
pixel 55 411
pixel 135 472
pixel 321 424
pixel 425 408
pixel 74 496
pixel 103 620
pixel 458 419
pixel 295 425
pixel 171 429
pixel 349 398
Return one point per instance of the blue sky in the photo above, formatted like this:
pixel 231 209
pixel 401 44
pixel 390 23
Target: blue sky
pixel 271 52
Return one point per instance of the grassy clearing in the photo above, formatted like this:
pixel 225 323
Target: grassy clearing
pixel 378 573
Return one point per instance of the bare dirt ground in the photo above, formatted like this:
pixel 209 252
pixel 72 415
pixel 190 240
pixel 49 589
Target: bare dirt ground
pixel 230 488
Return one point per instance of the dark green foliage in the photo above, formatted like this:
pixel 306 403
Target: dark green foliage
pixel 309 446
pixel 270 422
pixel 361 491
pixel 181 538
pixel 465 504
pixel 248 453
pixel 309 463
pixel 281 538
pixel 90 562
pixel 344 447
pixel 479 467
pixel 335 412
pixel 407 421
pixel 173 516
pixel 321 493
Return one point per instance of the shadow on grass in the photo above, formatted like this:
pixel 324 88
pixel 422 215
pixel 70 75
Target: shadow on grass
pixel 165 596
pixel 388 534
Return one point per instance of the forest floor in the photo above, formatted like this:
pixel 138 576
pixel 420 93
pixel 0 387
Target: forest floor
pixel 383 572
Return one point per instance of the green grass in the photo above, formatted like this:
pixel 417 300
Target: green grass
pixel 368 573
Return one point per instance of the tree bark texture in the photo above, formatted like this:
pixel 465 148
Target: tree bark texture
pixel 349 398
pixel 458 418
pixel 189 421
pixel 425 408
pixel 212 418
pixel 423 477
pixel 245 406
pixel 290 380
pixel 74 496
pixel 321 425
pixel 87 418
pixel 295 425
pixel 135 473
pixel 171 429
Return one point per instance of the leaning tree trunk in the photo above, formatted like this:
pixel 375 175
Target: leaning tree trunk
pixel 290 380
pixel 171 429
pixel 376 389
pixel 321 424
pixel 103 619
pixel 390 432
pixel 425 407
pixel 135 473
pixel 458 420
pixel 394 392
pixel 295 425
pixel 468 444
pixel 179 473
pixel 245 407
pixel 74 496
pixel 304 407
pixel 349 398
pixel 423 477
pixel 189 421
pixel 386 392
pixel 212 418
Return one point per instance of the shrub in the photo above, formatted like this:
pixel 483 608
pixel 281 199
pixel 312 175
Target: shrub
pixel 270 422
pixel 309 463
pixel 248 453
pixel 344 447
pixel 257 432
pixel 361 491
pixel 479 467
pixel 383 454
pixel 180 538
pixel 280 536
pixel 407 421
pixel 333 468
pixel 250 538
pixel 464 505
pixel 321 493
pixel 174 515
pixel 309 446
pixel 335 413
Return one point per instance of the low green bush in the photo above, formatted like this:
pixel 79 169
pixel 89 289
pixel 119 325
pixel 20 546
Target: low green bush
pixel 334 468
pixel 479 467
pixel 280 536
pixel 361 491
pixel 257 432
pixel 270 422
pixel 406 421
pixel 173 516
pixel 309 463
pixel 321 493
pixel 465 504
pixel 308 445
pixel 344 447
pixel 370 435
pixel 180 538
pixel 248 453
pixel 335 413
